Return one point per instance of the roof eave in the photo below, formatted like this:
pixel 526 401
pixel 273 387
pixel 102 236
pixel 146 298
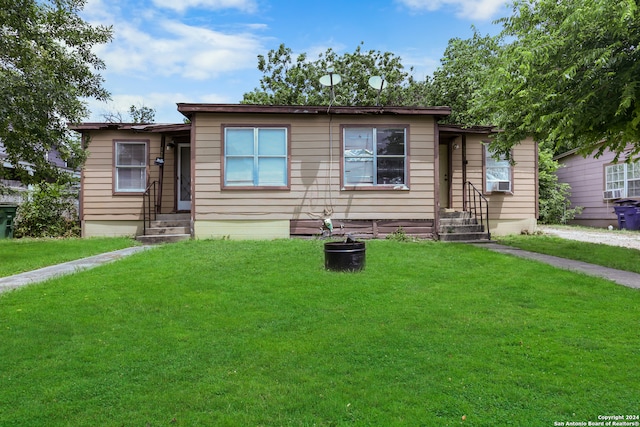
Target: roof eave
pixel 189 109
pixel 136 127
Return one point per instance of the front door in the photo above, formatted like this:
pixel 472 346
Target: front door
pixel 445 179
pixel 184 177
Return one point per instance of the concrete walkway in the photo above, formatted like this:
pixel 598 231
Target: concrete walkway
pixel 625 278
pixel 42 274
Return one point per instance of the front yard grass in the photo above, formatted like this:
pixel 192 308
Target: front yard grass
pixel 595 253
pixel 20 255
pixel 258 333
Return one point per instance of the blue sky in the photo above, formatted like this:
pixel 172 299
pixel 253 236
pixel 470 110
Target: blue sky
pixel 205 51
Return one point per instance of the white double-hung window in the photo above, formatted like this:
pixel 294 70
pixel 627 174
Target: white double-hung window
pixel 256 157
pixel 374 156
pixel 497 171
pixel 622 180
pixel 130 162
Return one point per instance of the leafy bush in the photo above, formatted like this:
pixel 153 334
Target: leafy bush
pixel 554 204
pixel 49 210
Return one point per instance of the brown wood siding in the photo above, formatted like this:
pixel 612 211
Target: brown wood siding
pixel 364 228
pixel 99 203
pixel 521 203
pixel 315 182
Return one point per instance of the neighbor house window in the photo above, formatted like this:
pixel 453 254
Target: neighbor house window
pixel 130 166
pixel 625 178
pixel 497 171
pixel 375 157
pixel 256 157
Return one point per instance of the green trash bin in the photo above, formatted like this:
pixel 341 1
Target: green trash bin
pixel 7 214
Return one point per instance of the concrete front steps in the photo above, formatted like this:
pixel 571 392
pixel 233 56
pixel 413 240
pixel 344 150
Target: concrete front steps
pixel 461 227
pixel 167 228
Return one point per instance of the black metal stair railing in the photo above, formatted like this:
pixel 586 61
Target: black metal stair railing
pixel 150 207
pixel 477 205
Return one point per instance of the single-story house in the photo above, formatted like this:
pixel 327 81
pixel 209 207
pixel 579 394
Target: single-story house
pixel 597 183
pixel 255 171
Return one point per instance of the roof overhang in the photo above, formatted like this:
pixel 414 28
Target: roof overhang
pixel 450 129
pixel 190 109
pixel 136 127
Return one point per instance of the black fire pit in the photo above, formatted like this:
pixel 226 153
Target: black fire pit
pixel 344 256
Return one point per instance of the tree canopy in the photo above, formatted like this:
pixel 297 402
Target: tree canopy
pixel 139 114
pixel 47 68
pixel 296 81
pixel 568 73
pixel 462 73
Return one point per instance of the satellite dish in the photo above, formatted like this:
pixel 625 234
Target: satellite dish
pixel 378 83
pixel 330 79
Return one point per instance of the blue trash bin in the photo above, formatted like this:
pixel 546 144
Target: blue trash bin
pixel 628 212
pixel 632 218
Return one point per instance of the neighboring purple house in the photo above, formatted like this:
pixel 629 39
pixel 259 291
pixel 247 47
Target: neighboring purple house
pixel 597 183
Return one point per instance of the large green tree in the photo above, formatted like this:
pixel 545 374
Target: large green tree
pixel 463 72
pixel 289 80
pixel 47 68
pixel 460 82
pixel 568 74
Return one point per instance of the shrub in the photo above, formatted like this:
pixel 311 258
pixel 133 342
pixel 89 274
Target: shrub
pixel 554 204
pixel 400 235
pixel 48 210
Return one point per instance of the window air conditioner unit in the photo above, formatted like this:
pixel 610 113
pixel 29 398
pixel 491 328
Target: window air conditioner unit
pixel 613 194
pixel 502 186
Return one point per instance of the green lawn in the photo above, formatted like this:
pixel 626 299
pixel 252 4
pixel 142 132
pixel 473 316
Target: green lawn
pixel 20 255
pixel 259 334
pixel 595 253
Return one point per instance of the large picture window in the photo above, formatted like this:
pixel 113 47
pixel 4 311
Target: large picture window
pixel 374 156
pixel 256 157
pixel 130 166
pixel 623 180
pixel 497 172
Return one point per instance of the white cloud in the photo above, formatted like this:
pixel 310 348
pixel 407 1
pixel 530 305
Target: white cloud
pixel 182 5
pixel 164 104
pixel 211 52
pixel 469 9
pixel 147 44
pixel 423 65
pixel 186 51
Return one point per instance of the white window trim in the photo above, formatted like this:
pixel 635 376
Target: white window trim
pixel 116 167
pixel 494 187
pixel 608 185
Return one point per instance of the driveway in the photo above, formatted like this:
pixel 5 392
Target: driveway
pixel 627 239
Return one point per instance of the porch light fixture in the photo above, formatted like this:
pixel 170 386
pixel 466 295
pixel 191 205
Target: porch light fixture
pixel 456 146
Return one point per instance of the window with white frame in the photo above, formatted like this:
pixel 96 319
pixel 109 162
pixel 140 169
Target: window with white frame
pixel 374 156
pixel 623 179
pixel 256 157
pixel 130 166
pixel 497 171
